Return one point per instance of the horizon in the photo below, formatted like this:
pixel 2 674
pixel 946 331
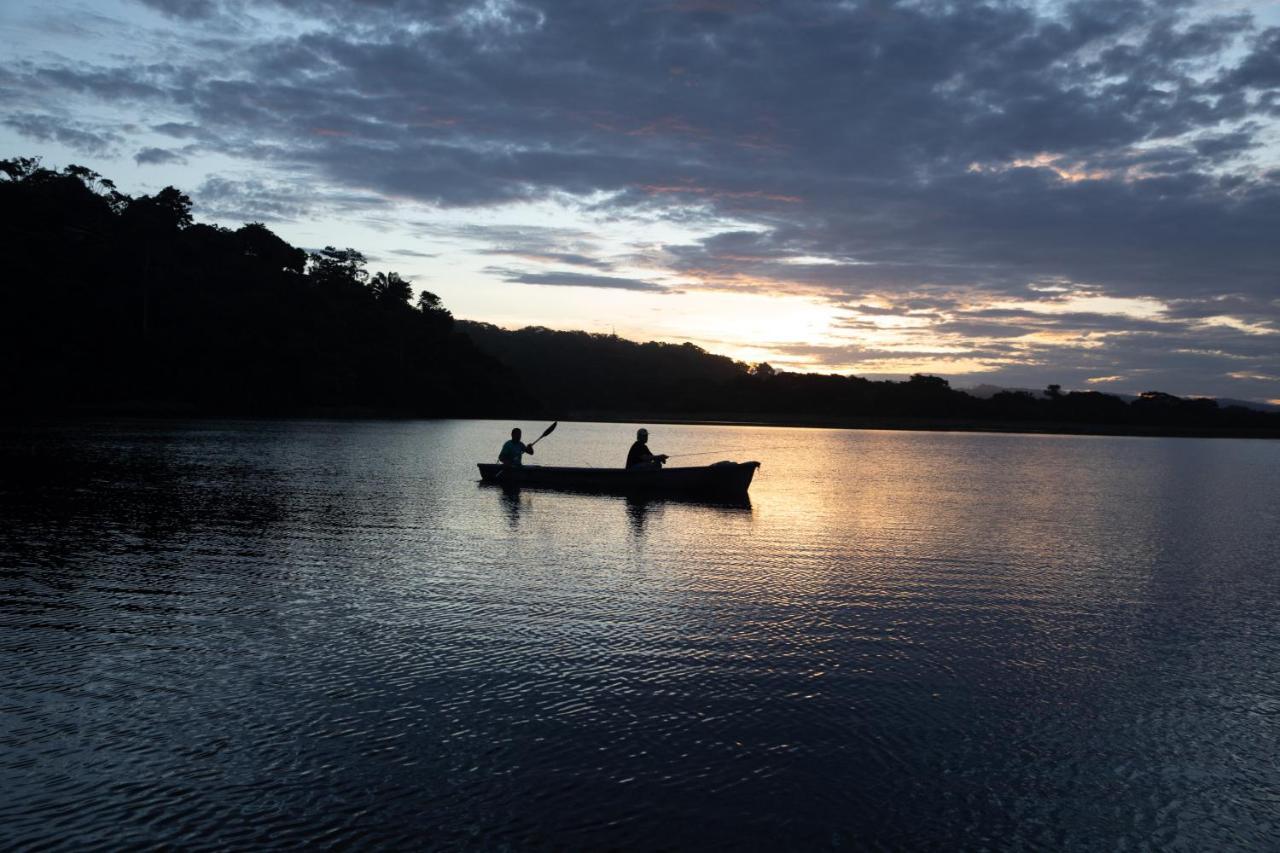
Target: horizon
pixel 1014 195
pixel 966 388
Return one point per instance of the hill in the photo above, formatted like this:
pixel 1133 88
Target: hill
pixel 113 303
pixel 596 375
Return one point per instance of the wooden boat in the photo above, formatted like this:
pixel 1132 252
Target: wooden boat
pixel 725 479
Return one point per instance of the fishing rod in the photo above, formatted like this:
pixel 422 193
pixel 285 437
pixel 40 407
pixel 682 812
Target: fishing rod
pixel 728 450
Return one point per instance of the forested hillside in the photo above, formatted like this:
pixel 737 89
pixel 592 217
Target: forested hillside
pixel 597 374
pixel 117 303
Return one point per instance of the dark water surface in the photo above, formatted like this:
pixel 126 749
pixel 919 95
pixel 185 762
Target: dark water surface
pixel 231 634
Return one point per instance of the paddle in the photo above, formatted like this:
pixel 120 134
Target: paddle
pixel 546 432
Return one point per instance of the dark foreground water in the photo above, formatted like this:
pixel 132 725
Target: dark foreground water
pixel 235 634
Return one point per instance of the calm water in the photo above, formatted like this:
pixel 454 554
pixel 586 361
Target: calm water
pixel 229 634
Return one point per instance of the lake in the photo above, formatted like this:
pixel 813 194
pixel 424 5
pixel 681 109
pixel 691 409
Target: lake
pixel 278 633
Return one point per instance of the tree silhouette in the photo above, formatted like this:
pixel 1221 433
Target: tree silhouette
pixel 112 302
pixel 598 374
pixel 337 269
pixel 391 290
pixel 257 241
pixel 428 302
pixel 126 302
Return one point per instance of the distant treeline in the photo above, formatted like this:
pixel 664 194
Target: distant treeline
pixel 596 373
pixel 111 302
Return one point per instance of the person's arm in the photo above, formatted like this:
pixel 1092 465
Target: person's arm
pixel 528 448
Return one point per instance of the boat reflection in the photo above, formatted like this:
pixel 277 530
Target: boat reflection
pixel 513 492
pixel 639 508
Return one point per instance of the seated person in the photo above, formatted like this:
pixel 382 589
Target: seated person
pixel 640 455
pixel 512 454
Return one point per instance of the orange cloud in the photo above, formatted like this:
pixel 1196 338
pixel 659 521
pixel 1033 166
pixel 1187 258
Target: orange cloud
pixel 1065 170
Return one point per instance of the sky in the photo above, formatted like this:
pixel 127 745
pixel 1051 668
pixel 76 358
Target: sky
pixel 1010 193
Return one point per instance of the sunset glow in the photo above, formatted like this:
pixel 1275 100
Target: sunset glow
pixel 947 221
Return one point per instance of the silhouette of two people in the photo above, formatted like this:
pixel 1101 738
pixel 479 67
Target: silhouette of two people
pixel 639 457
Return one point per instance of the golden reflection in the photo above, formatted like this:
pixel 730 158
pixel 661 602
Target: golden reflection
pixel 903 521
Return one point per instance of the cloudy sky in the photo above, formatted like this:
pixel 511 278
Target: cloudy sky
pixel 1016 193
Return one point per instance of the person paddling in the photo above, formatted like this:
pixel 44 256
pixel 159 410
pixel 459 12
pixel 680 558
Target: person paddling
pixel 641 456
pixel 513 451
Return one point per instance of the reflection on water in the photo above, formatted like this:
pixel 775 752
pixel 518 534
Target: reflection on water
pixel 515 499
pixel 510 504
pixel 286 633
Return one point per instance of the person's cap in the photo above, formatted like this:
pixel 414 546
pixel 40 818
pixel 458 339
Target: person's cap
pixel 642 433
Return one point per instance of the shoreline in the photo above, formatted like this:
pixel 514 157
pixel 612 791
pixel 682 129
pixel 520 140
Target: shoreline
pixel 153 412
pixel 908 424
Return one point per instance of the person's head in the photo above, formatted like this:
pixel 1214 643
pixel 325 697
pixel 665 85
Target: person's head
pixel 515 433
pixel 642 435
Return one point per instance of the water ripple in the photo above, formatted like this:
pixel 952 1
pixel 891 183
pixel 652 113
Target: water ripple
pixel 274 635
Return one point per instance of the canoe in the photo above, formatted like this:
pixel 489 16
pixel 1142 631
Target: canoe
pixel 723 478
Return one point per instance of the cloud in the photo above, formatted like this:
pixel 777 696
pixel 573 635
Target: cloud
pixel 184 9
pixel 535 243
pixel 552 257
pixel 79 136
pixel 1260 70
pixel 251 200
pixel 574 279
pixel 157 156
pixel 187 130
pixel 936 156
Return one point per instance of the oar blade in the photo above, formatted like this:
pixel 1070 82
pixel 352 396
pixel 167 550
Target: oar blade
pixel 549 429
